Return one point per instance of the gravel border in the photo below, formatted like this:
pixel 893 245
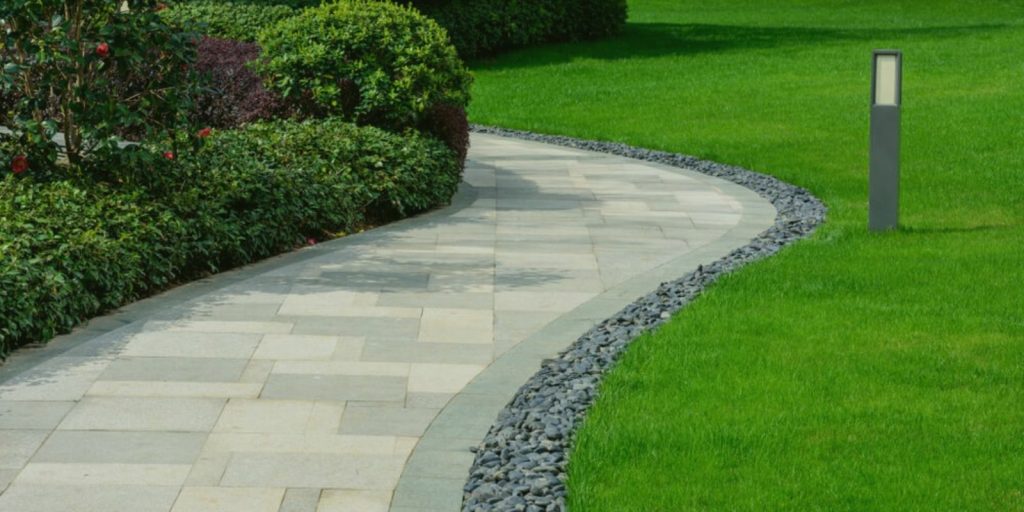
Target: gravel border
pixel 520 465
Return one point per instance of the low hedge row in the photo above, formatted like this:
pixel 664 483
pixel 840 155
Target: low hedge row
pixel 484 27
pixel 476 27
pixel 238 20
pixel 245 195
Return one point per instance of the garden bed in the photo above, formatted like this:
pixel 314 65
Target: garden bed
pixel 239 150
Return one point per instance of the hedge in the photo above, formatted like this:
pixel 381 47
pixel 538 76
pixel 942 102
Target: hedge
pixel 476 27
pixel 74 248
pixel 238 20
pixel 485 27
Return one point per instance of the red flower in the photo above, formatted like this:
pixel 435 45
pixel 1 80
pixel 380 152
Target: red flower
pixel 311 241
pixel 204 133
pixel 169 155
pixel 19 164
pixel 103 50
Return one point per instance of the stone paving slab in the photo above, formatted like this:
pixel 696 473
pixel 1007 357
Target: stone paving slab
pixel 355 375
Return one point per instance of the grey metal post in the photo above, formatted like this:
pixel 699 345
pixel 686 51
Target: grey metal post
pixel 884 179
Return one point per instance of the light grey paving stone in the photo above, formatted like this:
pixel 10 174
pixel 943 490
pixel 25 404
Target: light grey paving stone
pixel 450 283
pixel 416 352
pixel 32 415
pixel 441 378
pixel 175 369
pixel 265 416
pixel 540 301
pixel 57 379
pixel 88 498
pixel 451 443
pixel 300 500
pixel 504 246
pixel 175 389
pixel 427 400
pixel 424 493
pixel 324 301
pixel 219 345
pixel 519 324
pixel 345 500
pixel 552 260
pixel 221 326
pixel 151 414
pixel 6 477
pixel 207 470
pixel 228 499
pixel 453 464
pixel 257 371
pixel 17 446
pixel 245 311
pixel 306 347
pixel 387 421
pixel 369 327
pixel 469 326
pixel 548 280
pixel 377 281
pixel 335 387
pixel 70 473
pixel 107 344
pixel 121 447
pixel 435 299
pixel 313 470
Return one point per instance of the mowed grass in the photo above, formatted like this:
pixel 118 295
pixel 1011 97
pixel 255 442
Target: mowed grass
pixel 853 371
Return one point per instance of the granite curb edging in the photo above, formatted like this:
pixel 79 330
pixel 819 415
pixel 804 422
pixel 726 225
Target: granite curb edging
pixel 521 463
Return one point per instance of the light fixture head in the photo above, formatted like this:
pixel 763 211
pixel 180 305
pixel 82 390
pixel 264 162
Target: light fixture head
pixel 887 78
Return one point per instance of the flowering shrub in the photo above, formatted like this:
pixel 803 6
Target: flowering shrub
pixel 367 61
pixel 93 72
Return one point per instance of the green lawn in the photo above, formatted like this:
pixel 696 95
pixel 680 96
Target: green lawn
pixel 854 371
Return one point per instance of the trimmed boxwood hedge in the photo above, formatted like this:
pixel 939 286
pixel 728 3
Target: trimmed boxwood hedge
pixel 484 27
pixel 238 20
pixel 74 248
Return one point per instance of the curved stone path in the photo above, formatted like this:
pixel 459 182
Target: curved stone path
pixel 355 375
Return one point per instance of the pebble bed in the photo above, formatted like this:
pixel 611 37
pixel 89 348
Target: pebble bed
pixel 520 465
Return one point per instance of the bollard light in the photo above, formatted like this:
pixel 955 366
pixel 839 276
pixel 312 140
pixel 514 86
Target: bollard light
pixel 884 175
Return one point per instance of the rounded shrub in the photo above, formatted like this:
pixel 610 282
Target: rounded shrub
pixel 367 61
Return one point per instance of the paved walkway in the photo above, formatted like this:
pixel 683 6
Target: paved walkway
pixel 354 375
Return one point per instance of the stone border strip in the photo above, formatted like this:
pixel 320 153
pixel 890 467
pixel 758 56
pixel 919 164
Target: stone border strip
pixel 435 475
pixel 521 463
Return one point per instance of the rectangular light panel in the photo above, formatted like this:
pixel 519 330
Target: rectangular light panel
pixel 886 80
